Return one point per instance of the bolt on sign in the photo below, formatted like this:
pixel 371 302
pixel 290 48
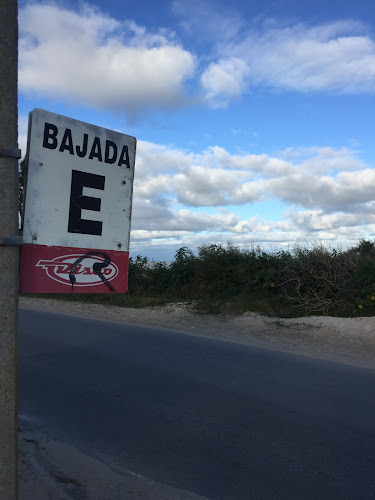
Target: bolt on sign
pixel 78 207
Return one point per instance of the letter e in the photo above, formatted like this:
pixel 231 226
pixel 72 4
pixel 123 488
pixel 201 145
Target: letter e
pixel 78 202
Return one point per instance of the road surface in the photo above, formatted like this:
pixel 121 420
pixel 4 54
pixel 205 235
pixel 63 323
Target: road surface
pixel 222 420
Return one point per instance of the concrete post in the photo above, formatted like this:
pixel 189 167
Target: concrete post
pixel 8 254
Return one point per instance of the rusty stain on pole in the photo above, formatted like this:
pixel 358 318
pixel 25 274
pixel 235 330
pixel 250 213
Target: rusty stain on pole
pixel 8 252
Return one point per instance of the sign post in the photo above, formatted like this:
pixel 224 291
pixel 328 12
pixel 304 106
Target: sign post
pixel 9 251
pixel 78 207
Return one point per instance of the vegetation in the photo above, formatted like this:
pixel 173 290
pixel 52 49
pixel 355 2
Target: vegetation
pixel 226 279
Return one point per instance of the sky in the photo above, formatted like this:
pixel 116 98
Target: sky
pixel 254 120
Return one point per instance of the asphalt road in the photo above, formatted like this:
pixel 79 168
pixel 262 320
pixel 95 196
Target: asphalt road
pixel 222 420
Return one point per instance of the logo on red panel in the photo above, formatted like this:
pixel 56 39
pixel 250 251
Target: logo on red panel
pixel 80 270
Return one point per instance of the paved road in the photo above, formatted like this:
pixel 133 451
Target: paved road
pixel 222 420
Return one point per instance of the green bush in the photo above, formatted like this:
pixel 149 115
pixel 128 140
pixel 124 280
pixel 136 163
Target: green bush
pixel 224 278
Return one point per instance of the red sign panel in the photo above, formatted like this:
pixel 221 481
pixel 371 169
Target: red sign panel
pixel 47 269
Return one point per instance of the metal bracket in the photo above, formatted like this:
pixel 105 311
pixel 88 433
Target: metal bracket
pixel 10 152
pixel 11 241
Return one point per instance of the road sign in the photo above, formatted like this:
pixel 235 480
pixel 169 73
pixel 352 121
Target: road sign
pixel 78 207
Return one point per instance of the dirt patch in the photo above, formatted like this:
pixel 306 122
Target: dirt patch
pixel 346 340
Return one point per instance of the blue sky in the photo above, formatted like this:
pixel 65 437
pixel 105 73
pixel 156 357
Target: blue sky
pixel 254 120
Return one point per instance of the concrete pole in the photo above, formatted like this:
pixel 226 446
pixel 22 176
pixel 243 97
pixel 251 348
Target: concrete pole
pixel 8 254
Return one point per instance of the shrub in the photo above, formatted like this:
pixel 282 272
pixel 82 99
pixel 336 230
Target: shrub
pixel 304 280
pixel 315 279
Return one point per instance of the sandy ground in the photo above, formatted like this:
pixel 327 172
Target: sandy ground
pixel 346 340
pixel 52 470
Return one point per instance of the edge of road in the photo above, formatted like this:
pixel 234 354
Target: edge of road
pixel 52 470
pixel 341 340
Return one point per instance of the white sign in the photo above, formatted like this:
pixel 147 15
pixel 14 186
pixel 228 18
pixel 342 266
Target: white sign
pixel 78 194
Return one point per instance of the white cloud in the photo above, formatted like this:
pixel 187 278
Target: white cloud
pixel 88 57
pixel 91 58
pixel 345 192
pixel 333 57
pixel 317 220
pixel 186 199
pixel 314 177
pixel 224 79
pixel 324 159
